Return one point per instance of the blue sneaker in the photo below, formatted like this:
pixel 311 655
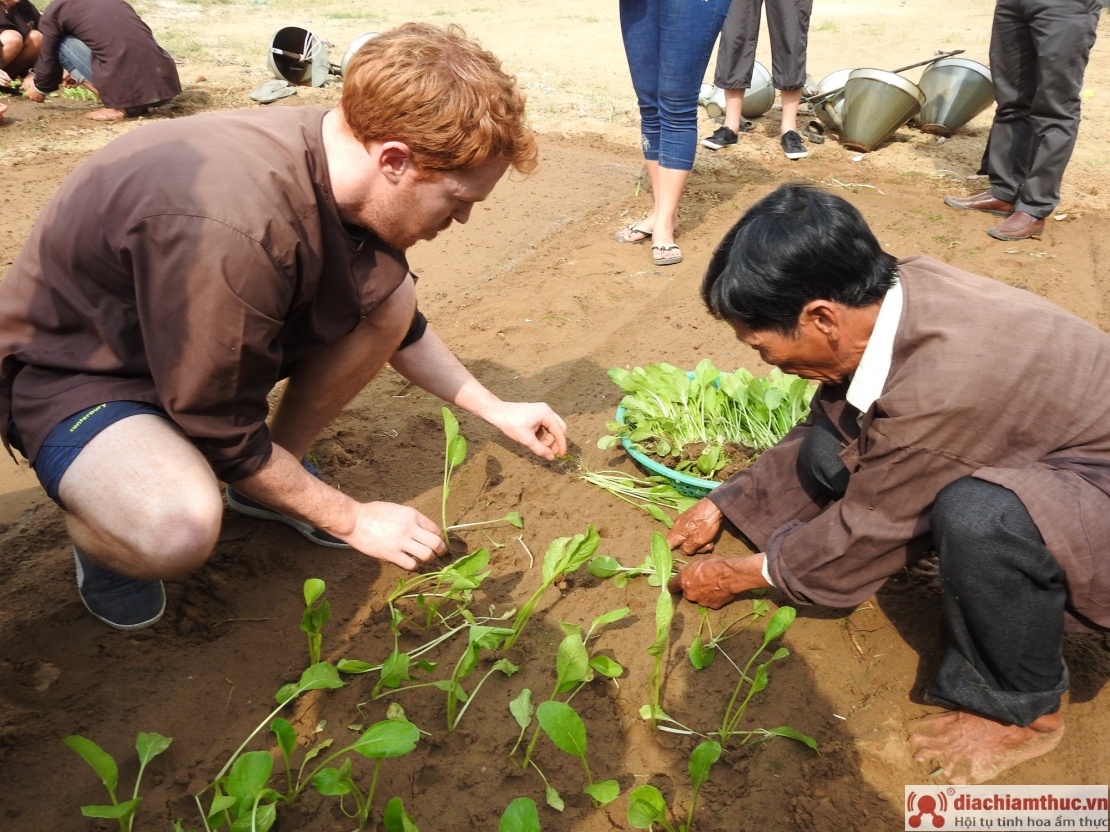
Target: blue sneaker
pixel 120 602
pixel 245 505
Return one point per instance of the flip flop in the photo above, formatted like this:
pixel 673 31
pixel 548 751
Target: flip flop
pixel 666 255
pixel 815 132
pixel 625 235
pixel 272 90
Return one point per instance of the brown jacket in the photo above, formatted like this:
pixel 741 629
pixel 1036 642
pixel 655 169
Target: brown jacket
pixel 186 264
pixel 986 380
pixel 129 69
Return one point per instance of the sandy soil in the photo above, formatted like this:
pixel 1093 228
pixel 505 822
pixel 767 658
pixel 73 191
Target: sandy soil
pixel 538 300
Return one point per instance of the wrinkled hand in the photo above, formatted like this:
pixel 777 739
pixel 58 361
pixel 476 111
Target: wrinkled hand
pixel 397 534
pixel 715 580
pixel 534 425
pixel 31 91
pixel 696 528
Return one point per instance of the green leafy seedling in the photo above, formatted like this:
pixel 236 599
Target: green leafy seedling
pixel 604 566
pixel 565 728
pixel 646 805
pixel 564 555
pixel 652 494
pixel 520 816
pixel 395 819
pixel 664 614
pixel 317 613
pixel 454 454
pixel 148 746
pixel 703 651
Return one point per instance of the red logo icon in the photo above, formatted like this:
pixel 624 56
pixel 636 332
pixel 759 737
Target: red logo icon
pixel 926 805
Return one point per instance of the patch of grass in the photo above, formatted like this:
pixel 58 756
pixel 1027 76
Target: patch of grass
pixel 370 17
pixel 828 26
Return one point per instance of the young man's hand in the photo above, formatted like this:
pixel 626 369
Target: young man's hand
pixel 31 91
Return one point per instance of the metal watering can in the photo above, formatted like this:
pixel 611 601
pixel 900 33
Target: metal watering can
pixel 757 99
pixel 301 58
pixel 956 91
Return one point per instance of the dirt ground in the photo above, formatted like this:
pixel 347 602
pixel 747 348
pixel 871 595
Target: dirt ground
pixel 539 301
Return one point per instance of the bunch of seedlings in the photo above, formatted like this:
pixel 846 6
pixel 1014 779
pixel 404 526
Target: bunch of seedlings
pixel 705 423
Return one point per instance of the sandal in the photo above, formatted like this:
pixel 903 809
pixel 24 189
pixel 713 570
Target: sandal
pixel 666 255
pixel 631 234
pixel 815 132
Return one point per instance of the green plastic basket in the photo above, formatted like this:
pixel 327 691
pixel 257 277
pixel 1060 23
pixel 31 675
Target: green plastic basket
pixel 683 483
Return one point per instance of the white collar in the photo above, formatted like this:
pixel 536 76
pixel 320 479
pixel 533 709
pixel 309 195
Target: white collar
pixel 874 366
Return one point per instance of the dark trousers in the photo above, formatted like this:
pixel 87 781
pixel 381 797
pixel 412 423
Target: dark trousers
pixel 1003 594
pixel 1038 54
pixel 788 24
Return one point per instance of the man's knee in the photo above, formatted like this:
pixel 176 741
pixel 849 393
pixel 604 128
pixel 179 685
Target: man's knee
pixel 819 458
pixel 170 540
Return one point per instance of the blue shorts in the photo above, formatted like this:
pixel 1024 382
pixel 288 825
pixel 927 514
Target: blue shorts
pixel 68 438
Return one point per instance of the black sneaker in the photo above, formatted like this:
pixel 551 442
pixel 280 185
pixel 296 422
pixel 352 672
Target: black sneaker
pixel 245 505
pixel 120 602
pixel 722 138
pixel 793 145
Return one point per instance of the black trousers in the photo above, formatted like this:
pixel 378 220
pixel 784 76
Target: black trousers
pixel 1003 594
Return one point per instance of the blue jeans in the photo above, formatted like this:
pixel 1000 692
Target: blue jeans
pixel 668 44
pixel 76 58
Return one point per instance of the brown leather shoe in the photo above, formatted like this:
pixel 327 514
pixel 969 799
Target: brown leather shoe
pixel 1018 226
pixel 981 202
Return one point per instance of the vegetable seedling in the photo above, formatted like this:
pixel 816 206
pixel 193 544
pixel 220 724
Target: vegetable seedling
pixel 453 457
pixel 702 652
pixel 564 555
pixel 604 566
pixel 664 613
pixel 646 805
pixel 666 409
pixel 567 730
pixel 652 494
pixel 520 816
pixel 148 746
pixel 317 613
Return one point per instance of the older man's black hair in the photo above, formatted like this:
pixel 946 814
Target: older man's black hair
pixel 795 245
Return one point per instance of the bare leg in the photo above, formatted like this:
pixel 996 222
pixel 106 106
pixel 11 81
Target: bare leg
pixel 11 44
pixel 142 500
pixel 734 109
pixel 323 384
pixel 668 186
pixel 974 749
pixel 791 99
pixel 18 55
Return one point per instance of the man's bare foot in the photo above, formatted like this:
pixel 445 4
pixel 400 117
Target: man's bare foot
pixel 106 114
pixel 972 749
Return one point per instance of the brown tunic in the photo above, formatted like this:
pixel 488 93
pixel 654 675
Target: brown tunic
pixel 185 264
pixel 129 68
pixel 986 380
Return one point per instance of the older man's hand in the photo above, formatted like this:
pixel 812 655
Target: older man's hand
pixel 696 528
pixel 715 580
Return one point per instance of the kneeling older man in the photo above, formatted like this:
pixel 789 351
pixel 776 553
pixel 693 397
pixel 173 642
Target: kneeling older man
pixel 954 412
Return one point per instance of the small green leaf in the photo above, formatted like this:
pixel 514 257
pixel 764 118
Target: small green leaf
pixel 779 623
pixel 646 806
pixel 389 738
pixel 353 666
pixel 286 736
pixel 98 759
pixel 521 708
pixel 149 745
pixel 395 819
pixel 520 816
pixel 564 726
pixel 790 733
pixel 456 451
pixel 120 810
pixel 553 798
pixel 313 589
pixel 700 655
pixel 610 617
pixel 659 514
pixel 604 566
pixel 248 777
pixel 572 663
pixel 606 666
pixel 505 666
pixel 450 425
pixel 515 519
pixel 702 759
pixel 603 791
pixel 316 677
pixel 332 782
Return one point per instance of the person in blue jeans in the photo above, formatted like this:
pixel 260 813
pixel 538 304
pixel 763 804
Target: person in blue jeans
pixel 668 44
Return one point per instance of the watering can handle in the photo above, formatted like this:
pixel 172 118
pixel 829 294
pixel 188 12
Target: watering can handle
pixel 935 57
pixel 817 99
